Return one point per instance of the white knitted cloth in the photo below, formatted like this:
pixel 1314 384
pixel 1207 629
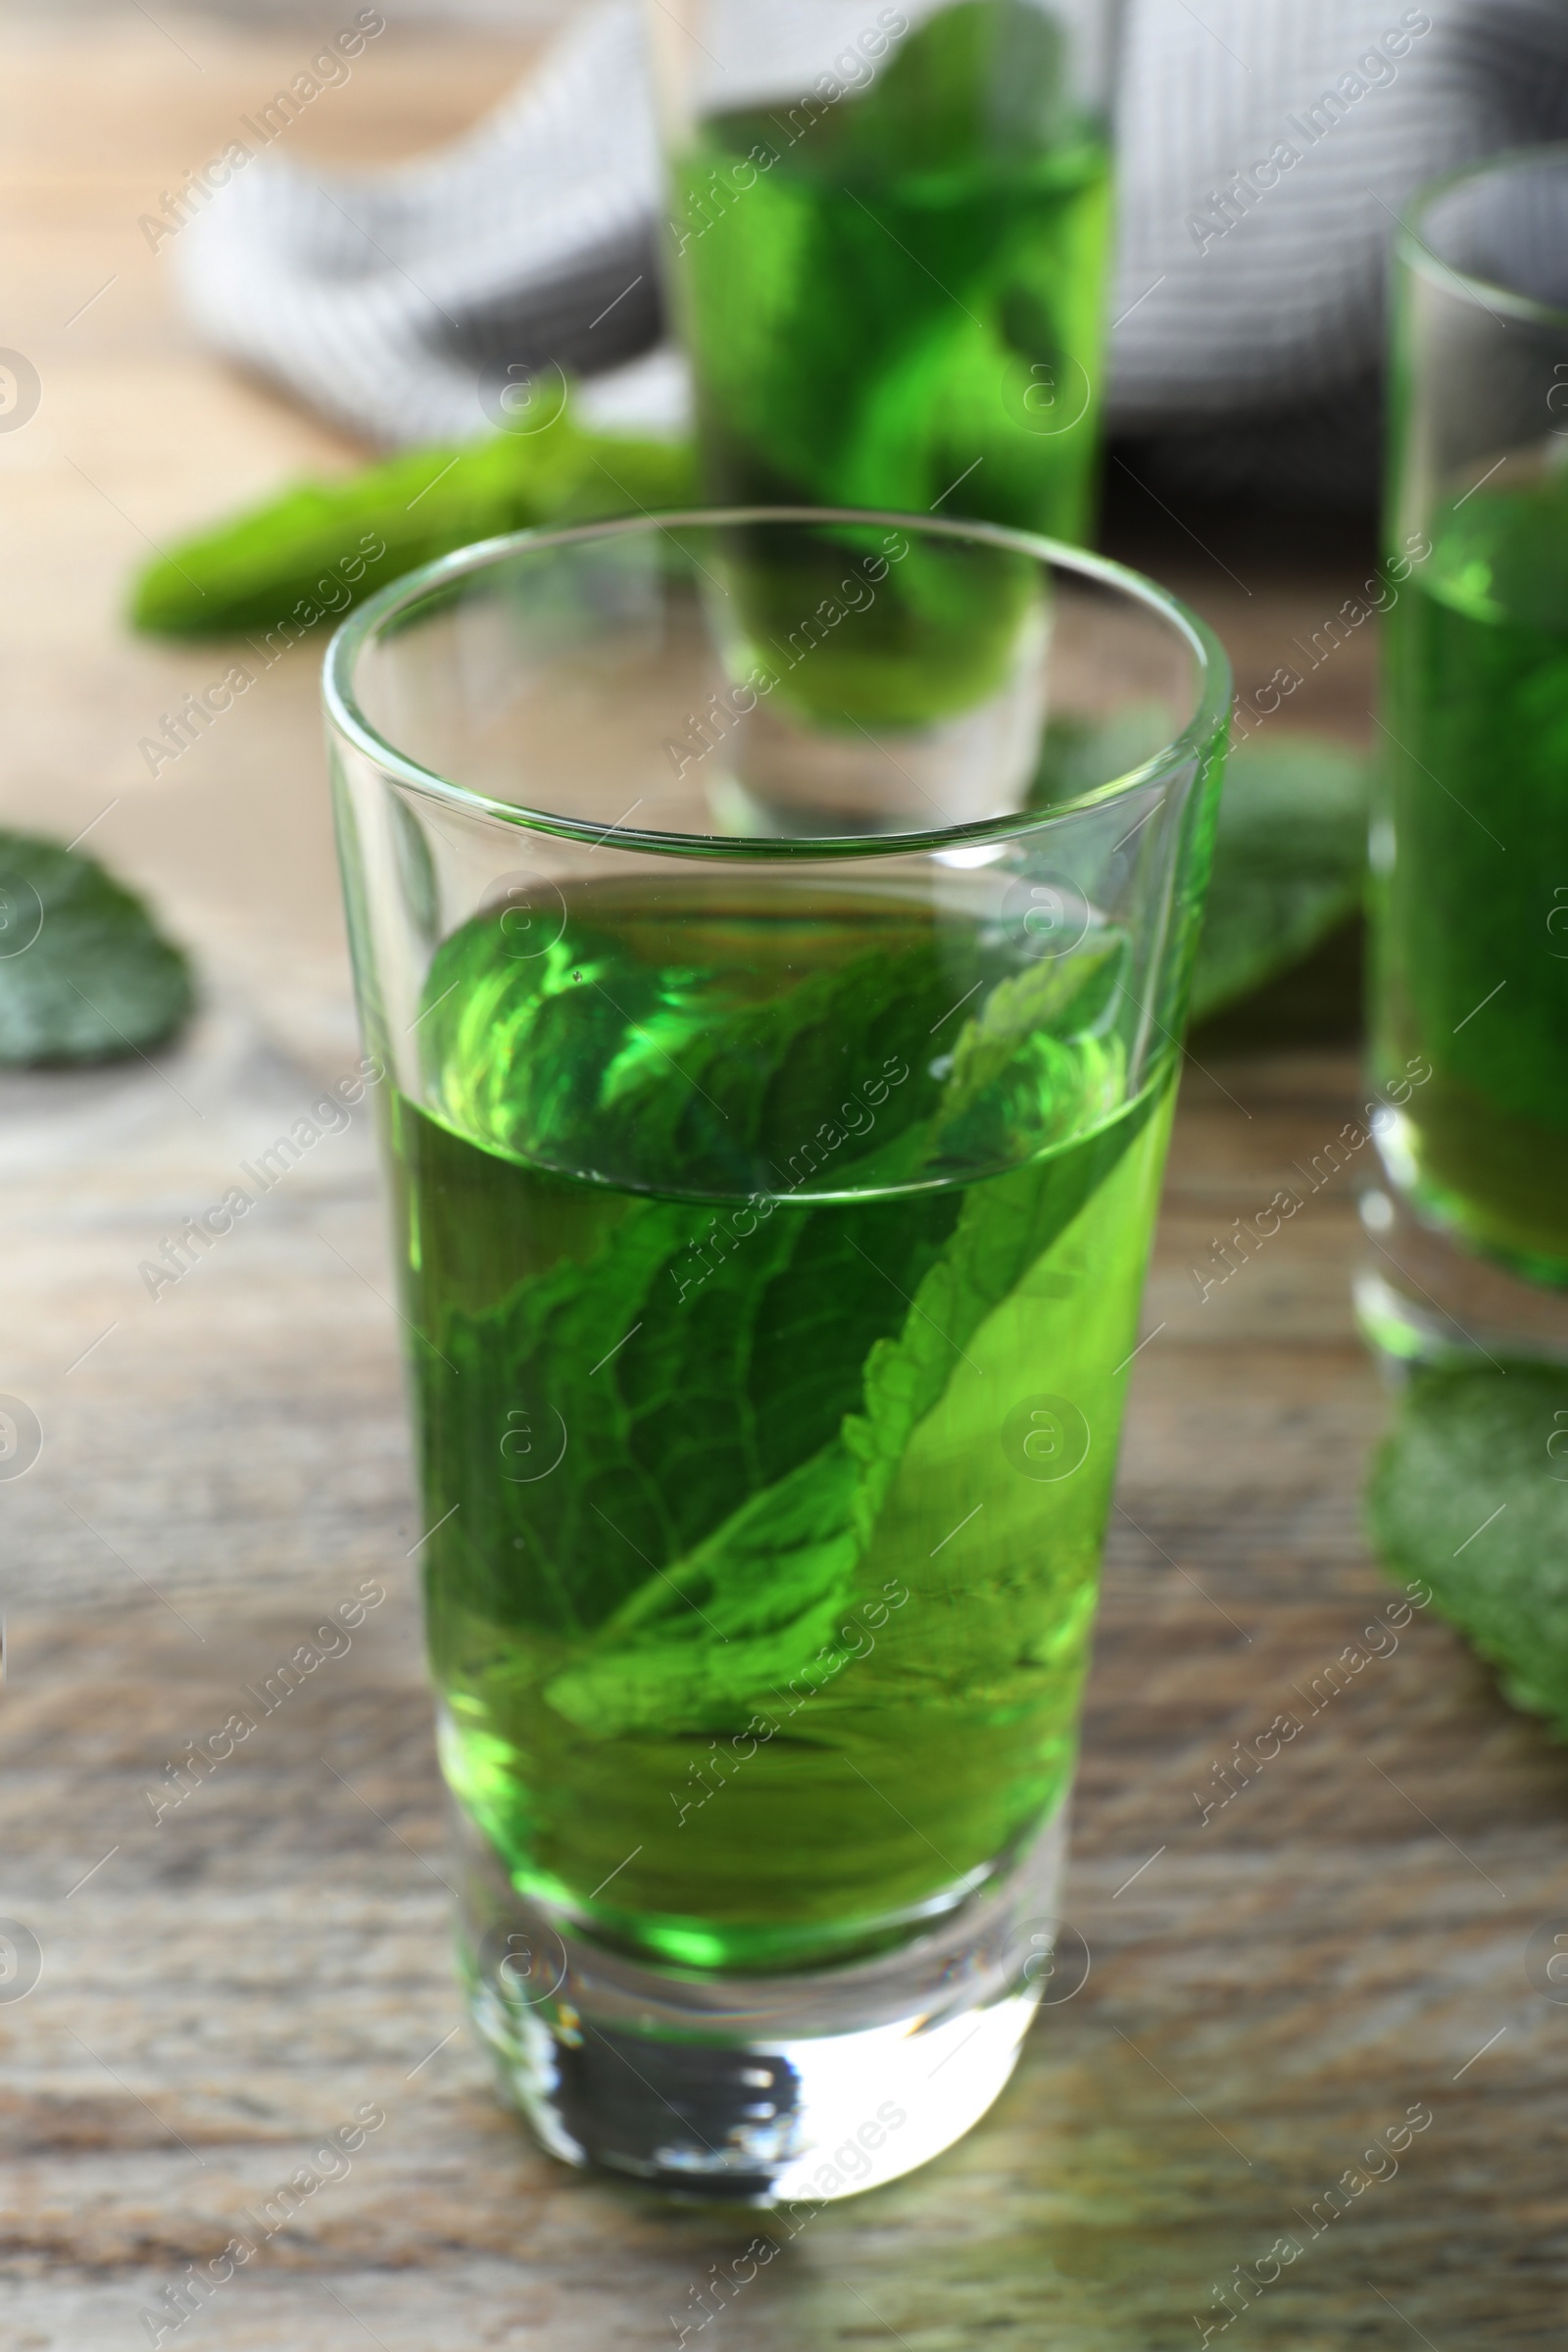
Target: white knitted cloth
pixel 1264 147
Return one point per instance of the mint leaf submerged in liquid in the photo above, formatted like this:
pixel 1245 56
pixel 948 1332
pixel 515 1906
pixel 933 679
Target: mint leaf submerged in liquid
pixel 980 83
pixel 774 1578
pixel 651 1045
pixel 84 973
pixel 894 297
pixel 734 1379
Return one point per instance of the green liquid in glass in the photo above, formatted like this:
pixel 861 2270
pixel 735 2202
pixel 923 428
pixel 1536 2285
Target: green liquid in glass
pixel 1472 895
pixel 894 299
pixel 771 1315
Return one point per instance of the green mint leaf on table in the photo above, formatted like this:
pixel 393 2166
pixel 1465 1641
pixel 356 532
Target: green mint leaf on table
pixel 1469 1493
pixel 324 546
pixel 1289 861
pixel 84 973
pixel 1290 847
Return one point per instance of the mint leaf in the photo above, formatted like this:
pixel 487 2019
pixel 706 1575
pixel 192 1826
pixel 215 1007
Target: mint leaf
pixel 323 546
pixel 1290 859
pixel 1470 1447
pixel 659 1354
pixel 776 1576
pixel 1290 845
pixel 1012 1057
pixel 84 973
pixel 668 1437
pixel 981 79
pixel 607 1055
pixel 913 275
pixel 737 1382
pixel 986 77
pixel 598 1062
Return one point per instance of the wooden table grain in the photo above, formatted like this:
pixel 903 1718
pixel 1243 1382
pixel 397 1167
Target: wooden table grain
pixel 1283 1967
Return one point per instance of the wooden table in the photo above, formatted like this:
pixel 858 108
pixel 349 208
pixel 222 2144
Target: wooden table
pixel 1340 1944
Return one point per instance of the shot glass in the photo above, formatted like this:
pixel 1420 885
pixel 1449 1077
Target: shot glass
pixel 776 930
pixel 1467 1239
pixel 886 247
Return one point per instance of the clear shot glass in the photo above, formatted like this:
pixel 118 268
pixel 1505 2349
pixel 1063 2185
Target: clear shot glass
pixel 1467 1251
pixel 775 929
pixel 887 240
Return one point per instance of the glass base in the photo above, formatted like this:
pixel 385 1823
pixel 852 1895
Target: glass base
pixel 759 2089
pixel 1421 1298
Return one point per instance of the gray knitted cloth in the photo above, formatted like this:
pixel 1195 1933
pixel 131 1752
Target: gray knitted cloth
pixel 1264 146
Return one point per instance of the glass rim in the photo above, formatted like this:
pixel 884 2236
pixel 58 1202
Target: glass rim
pixel 410 588
pixel 1488 293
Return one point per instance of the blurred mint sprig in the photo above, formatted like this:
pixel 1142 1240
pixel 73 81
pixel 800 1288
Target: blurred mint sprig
pixel 1290 851
pixel 1290 863
pixel 332 543
pixel 1290 859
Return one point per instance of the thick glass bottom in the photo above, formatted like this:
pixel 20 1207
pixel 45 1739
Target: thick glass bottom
pixel 1497 1186
pixel 758 2091
pixel 1423 1298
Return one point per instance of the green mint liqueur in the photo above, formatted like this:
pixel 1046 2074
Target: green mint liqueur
pixel 773 1266
pixel 893 295
pixel 1471 868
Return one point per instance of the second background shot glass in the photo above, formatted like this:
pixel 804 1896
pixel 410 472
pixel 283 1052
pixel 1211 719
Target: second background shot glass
pixel 1470 847
pixel 887 242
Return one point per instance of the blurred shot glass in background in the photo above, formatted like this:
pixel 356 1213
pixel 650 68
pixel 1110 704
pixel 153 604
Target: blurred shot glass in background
pixel 1467 1251
pixel 887 242
pixel 777 932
